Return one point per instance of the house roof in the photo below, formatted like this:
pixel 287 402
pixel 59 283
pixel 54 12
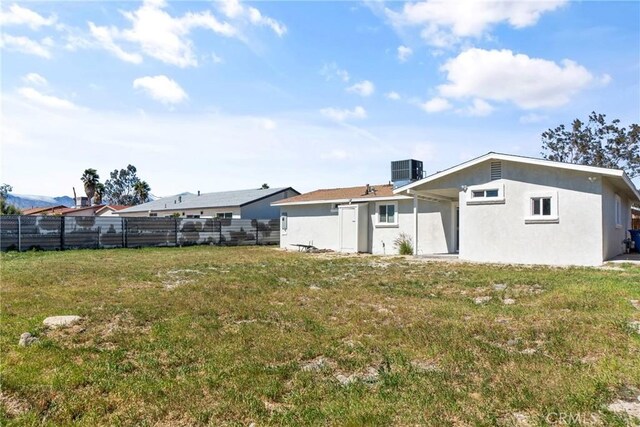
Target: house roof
pixel 43 209
pixel 341 195
pixel 219 199
pixel 614 173
pixel 95 208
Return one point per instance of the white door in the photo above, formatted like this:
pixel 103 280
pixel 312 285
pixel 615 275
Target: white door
pixel 348 228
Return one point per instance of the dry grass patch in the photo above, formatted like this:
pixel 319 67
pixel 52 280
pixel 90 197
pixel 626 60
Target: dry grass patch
pixel 234 336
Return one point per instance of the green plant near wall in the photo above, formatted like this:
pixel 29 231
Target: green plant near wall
pixel 404 244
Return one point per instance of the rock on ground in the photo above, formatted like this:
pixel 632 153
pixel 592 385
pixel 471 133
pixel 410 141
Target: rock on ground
pixel 635 303
pixel 60 321
pixel 631 409
pixel 482 300
pixel 635 326
pixel 27 339
pixel 499 286
pixel 508 301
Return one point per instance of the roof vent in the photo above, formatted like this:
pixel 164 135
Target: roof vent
pixel 496 171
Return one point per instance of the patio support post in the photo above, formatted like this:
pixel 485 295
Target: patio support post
pixel 415 224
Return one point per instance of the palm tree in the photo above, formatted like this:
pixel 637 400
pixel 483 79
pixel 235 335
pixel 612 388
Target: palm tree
pixel 90 178
pixel 142 190
pixel 97 199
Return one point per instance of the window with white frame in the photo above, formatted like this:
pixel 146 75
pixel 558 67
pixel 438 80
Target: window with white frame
pixel 486 195
pixel 475 194
pixel 542 207
pixel 387 214
pixel 618 211
pixel 226 215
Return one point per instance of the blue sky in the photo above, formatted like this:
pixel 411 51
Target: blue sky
pixel 227 95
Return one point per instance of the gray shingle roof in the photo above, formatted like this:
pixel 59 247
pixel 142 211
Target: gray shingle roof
pixel 205 200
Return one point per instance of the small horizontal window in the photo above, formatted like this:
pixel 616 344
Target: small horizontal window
pixel 226 215
pixel 541 206
pixel 476 194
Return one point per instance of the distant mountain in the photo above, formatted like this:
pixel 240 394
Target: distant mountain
pixel 24 201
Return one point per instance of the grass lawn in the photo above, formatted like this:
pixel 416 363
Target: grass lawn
pixel 234 336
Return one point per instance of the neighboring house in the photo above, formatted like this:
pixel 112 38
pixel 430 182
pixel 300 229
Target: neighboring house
pixel 110 210
pixel 495 208
pixel 81 211
pixel 246 204
pixel 46 210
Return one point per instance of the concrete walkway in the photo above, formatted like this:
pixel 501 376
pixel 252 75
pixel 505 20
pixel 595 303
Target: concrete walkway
pixel 632 258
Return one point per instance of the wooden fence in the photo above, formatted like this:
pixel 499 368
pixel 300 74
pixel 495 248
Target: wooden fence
pixel 20 232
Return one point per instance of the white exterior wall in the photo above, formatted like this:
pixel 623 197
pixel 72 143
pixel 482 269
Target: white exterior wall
pixel 311 224
pixel 434 225
pixel 614 234
pixel 317 225
pixel 499 233
pixel 108 212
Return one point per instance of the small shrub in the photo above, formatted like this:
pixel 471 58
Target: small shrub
pixel 404 244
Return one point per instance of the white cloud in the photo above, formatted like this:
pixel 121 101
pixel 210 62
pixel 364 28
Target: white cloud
pixel 161 88
pixel 501 75
pixel 233 9
pixel 329 71
pixel 532 118
pixel 395 96
pixel 26 45
pixel 363 88
pixel 436 105
pixel 18 15
pixel 34 79
pixel 479 108
pixel 43 100
pixel 104 37
pixel 269 124
pixel 158 34
pixel 404 53
pixel 341 115
pixel 445 23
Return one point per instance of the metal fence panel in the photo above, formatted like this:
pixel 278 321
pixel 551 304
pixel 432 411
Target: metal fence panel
pixel 55 232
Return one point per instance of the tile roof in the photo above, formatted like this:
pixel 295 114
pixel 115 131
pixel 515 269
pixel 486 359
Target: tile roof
pixel 338 194
pixel 206 200
pixel 44 210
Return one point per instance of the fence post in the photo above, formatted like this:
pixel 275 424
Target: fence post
pixel 219 232
pixel 176 229
pixel 62 224
pixel 99 231
pixel 257 242
pixel 124 232
pixel 19 234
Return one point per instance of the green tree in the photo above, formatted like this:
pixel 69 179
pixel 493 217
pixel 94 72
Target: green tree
pixel 595 143
pixel 142 189
pixel 6 208
pixel 120 188
pixel 90 179
pixel 264 186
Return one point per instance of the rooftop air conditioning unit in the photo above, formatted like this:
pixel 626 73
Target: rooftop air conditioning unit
pixel 406 171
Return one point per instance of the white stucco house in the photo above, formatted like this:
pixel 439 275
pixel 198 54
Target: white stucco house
pixel 495 208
